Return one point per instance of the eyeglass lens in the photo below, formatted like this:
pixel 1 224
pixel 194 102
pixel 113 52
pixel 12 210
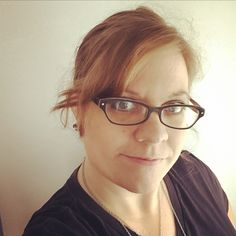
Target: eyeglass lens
pixel 128 112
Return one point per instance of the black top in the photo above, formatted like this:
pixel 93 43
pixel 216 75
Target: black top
pixel 196 195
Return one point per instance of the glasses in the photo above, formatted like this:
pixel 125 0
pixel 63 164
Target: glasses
pixel 125 111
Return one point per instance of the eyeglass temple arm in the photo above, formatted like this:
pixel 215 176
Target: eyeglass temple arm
pixel 202 112
pixel 194 102
pixel 96 100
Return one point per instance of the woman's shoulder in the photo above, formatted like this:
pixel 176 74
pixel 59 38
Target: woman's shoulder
pixel 196 192
pixel 55 220
pixel 189 164
pixel 58 215
pixel 196 175
pixel 70 212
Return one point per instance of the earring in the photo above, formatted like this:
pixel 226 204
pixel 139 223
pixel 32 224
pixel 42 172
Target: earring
pixel 75 127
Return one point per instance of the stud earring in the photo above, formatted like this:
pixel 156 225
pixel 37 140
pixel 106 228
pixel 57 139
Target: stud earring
pixel 75 127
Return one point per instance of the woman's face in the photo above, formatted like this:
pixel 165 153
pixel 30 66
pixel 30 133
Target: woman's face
pixel 137 157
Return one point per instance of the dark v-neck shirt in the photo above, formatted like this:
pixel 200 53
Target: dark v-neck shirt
pixel 196 195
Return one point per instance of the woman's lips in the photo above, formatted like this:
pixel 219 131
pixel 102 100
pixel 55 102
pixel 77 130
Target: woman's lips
pixel 143 160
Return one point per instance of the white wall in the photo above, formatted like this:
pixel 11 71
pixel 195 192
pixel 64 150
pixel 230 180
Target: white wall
pixel 37 47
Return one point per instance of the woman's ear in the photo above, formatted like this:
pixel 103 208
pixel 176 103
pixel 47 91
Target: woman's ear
pixel 79 115
pixel 75 113
pixel 78 123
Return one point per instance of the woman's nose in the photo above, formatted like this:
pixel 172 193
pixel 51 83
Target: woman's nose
pixel 152 130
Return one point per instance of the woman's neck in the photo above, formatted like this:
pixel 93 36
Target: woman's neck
pixel 116 199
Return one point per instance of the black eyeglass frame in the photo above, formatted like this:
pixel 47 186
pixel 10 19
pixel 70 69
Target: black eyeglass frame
pixel 101 103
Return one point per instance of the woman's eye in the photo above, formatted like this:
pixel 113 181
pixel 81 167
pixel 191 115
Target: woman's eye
pixel 123 105
pixel 174 109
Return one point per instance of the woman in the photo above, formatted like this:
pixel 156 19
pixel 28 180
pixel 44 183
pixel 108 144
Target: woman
pixel 132 105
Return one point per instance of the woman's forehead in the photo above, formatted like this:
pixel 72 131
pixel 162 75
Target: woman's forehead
pixel 145 62
pixel 160 71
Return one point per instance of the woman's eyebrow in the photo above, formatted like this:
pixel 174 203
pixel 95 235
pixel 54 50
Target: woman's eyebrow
pixel 175 94
pixel 180 94
pixel 132 93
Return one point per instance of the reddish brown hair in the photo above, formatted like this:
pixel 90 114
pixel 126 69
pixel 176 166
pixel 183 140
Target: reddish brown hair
pixel 111 49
